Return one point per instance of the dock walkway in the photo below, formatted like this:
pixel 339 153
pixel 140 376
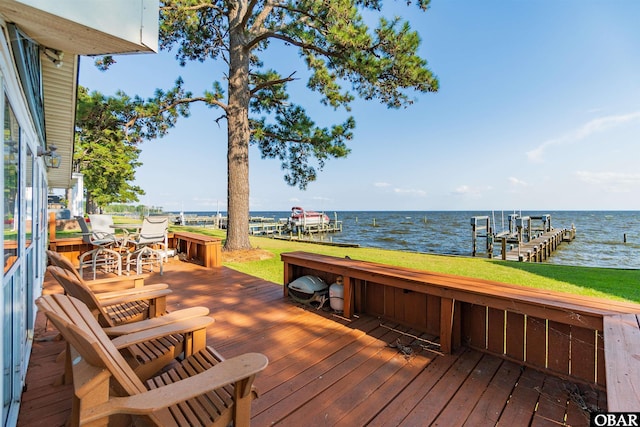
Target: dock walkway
pixel 522 240
pixel 540 248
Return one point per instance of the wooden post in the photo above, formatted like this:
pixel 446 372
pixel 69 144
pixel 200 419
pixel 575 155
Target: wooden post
pixel 52 226
pixel 348 296
pixel 504 248
pixel 473 239
pixel 357 286
pixel 288 275
pixel 446 324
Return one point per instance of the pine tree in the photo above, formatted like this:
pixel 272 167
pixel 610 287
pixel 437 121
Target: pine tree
pixel 345 59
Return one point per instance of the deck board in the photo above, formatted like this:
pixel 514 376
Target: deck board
pixel 312 382
pixel 443 392
pixel 491 403
pixel 552 404
pixel 462 403
pixel 328 370
pixel 403 403
pixel 524 398
pixel 365 410
pixel 339 395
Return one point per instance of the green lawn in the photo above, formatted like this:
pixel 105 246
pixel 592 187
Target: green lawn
pixel 618 284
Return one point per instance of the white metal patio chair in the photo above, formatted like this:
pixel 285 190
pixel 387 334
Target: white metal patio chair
pixel 104 255
pixel 150 245
pixel 102 225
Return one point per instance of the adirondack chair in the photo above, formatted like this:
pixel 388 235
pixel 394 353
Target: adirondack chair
pixel 204 389
pixel 131 311
pixel 117 307
pixel 102 285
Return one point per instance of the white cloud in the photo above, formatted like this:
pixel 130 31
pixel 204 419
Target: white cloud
pixel 382 184
pixel 409 191
pixel 614 182
pixel 463 189
pixel 517 182
pixel 471 192
pixel 399 190
pixel 588 129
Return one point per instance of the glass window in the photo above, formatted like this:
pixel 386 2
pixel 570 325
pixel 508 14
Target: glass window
pixel 28 195
pixel 11 187
pixel 7 342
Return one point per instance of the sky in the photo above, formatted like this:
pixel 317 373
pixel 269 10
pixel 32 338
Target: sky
pixel 538 109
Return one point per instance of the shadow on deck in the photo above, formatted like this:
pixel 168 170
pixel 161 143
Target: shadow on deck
pixel 326 370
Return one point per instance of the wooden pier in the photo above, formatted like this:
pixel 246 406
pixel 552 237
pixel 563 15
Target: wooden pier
pixel 540 248
pixel 265 226
pixel 262 228
pixel 527 239
pixel 285 229
pixel 213 221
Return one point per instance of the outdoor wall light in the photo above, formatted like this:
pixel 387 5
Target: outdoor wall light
pixel 54 56
pixel 50 157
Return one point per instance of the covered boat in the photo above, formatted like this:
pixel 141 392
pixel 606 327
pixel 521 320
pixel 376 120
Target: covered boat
pixel 300 217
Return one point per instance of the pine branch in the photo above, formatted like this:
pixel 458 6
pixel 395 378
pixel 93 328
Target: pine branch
pixel 193 8
pixel 287 39
pixel 270 83
pixel 129 124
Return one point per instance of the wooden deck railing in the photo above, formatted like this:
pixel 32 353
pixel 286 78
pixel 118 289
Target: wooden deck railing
pixel 572 346
pixel 547 330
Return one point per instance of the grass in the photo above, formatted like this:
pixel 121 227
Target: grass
pixel 617 284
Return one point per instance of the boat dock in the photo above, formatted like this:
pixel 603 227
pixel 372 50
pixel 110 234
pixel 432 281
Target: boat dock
pixel 261 226
pixel 213 221
pixel 286 230
pixel 266 226
pixel 539 248
pixel 527 238
pixel 297 227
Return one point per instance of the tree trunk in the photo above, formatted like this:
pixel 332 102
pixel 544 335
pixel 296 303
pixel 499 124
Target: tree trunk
pixel 238 150
pixel 90 205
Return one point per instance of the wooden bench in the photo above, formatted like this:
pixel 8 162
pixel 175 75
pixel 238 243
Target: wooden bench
pixel 622 356
pixel 207 249
pixel 548 330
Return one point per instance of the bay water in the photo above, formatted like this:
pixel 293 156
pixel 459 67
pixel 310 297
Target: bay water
pixel 599 242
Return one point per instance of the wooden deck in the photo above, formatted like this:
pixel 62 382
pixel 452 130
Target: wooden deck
pixel 325 370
